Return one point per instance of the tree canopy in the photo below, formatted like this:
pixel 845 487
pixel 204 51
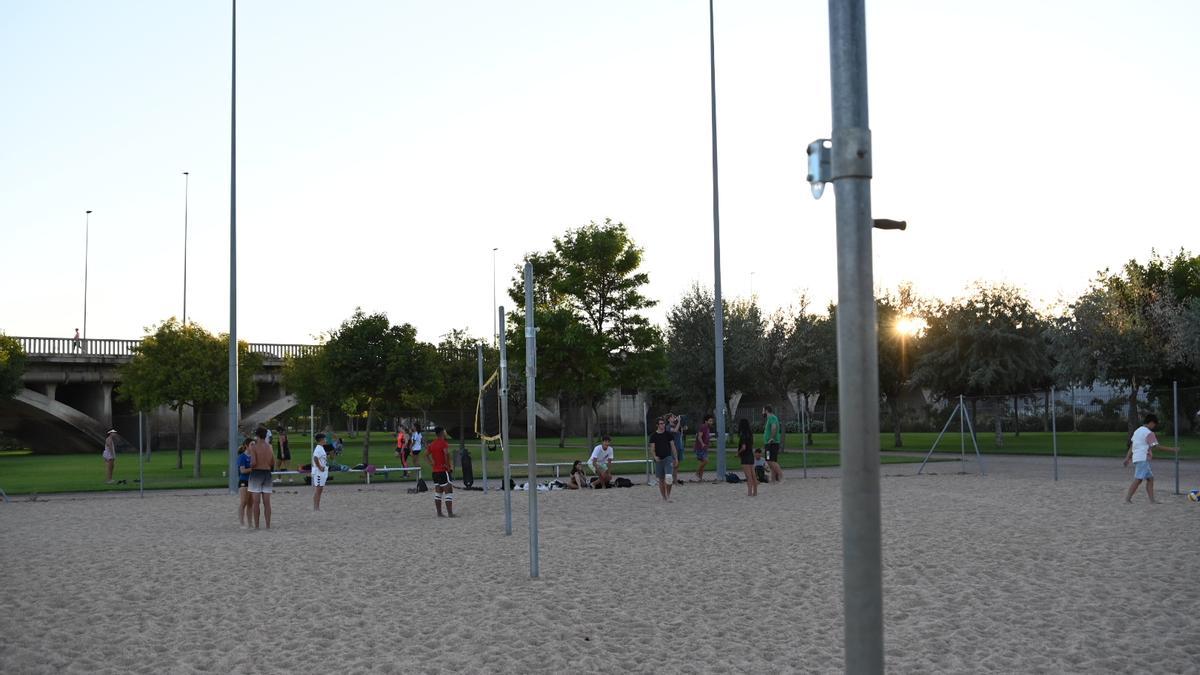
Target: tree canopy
pixel 12 366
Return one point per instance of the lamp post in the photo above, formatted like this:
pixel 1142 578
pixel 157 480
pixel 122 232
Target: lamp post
pixel 234 412
pixel 185 242
pixel 495 328
pixel 87 223
pixel 718 305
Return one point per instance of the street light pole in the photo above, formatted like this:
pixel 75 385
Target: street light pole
pixel 87 225
pixel 718 306
pixel 495 328
pixel 185 243
pixel 233 342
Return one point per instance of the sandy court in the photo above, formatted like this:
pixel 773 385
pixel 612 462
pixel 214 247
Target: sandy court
pixel 1009 573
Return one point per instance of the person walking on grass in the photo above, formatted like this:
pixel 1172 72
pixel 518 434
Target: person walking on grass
pixel 771 436
pixel 109 455
pixel 666 457
pixel 441 463
pixel 262 462
pixel 1141 450
pixel 745 451
pixel 320 470
pixel 602 457
pixel 703 440
pixel 243 466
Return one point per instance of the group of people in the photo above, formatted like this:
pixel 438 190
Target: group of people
pixel 256 463
pixel 408 444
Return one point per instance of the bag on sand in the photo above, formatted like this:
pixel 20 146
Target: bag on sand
pixel 622 481
pixel 732 477
pixel 421 486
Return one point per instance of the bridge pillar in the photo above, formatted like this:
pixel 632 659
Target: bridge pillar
pixel 50 389
pixel 104 409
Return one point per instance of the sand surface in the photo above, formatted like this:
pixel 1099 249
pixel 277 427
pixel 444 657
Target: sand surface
pixel 1008 573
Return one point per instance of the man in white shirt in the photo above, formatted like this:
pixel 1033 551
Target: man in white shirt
pixel 1141 451
pixel 416 445
pixel 320 470
pixel 602 457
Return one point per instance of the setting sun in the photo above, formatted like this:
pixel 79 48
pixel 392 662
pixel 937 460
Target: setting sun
pixel 910 325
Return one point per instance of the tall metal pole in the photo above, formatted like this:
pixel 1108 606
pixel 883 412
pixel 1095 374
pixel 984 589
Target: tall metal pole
pixel 1175 426
pixel 507 487
pixel 718 304
pixel 858 359
pixel 185 243
pixel 312 425
pixel 1054 428
pixel 233 343
pixel 495 330
pixel 141 457
pixel 87 227
pixel 531 417
pixel 646 437
pixel 482 424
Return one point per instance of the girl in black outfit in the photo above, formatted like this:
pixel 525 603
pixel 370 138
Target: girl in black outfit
pixel 746 456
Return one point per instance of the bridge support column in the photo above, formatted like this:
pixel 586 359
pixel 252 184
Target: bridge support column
pixel 50 388
pixel 104 409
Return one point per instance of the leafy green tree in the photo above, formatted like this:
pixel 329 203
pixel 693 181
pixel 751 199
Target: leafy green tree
pixel 12 366
pixel 458 361
pixel 899 342
pixel 179 366
pixel 988 343
pixel 593 336
pixel 369 363
pixel 808 360
pixel 745 351
pixel 691 370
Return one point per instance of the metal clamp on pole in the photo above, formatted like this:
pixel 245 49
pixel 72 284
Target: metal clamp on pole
pixel 851 153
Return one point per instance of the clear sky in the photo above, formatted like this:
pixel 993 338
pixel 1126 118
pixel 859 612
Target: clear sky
pixel 385 147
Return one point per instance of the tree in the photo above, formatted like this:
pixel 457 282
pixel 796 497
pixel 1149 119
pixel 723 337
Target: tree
pixel 369 363
pixel 745 351
pixel 12 366
pixel 899 340
pixel 690 346
pixel 593 335
pixel 458 362
pixel 988 343
pixel 179 366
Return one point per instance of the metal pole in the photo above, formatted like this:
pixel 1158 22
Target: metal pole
pixel 1054 428
pixel 957 410
pixel 141 455
pixel 962 439
pixel 233 343
pixel 718 305
pixel 507 487
pixel 495 330
pixel 804 434
pixel 646 437
pixel 482 426
pixel 858 360
pixel 531 418
pixel 185 243
pixel 87 226
pixel 1175 426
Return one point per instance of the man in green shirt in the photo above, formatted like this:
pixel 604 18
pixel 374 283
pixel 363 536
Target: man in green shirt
pixel 771 443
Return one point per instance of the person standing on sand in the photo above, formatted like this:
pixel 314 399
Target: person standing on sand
pixel 745 451
pixel 320 470
pixel 675 426
pixel 243 465
pixel 1140 452
pixel 666 457
pixel 262 461
pixel 109 455
pixel 415 441
pixel 703 440
pixel 285 452
pixel 441 463
pixel 771 437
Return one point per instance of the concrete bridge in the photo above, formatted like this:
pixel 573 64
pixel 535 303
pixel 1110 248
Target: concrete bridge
pixel 68 402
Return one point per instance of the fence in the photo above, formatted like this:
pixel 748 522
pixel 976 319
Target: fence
pixel 60 346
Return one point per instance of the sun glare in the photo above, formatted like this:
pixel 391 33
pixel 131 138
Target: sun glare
pixel 910 325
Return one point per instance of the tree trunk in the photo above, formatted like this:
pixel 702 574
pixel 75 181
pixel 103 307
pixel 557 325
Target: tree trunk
pixel 196 427
pixel 591 428
pixel 824 416
pixel 1133 390
pixel 1074 412
pixel 894 407
pixel 1049 412
pixel 179 439
pixel 367 436
pixel 808 422
pixel 562 418
pixel 999 429
pixel 1016 416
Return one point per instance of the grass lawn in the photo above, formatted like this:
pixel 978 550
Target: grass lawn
pixel 24 473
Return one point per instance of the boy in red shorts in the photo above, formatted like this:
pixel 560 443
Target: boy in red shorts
pixel 441 463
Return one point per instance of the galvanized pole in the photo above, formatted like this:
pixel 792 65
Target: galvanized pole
pixel 87 229
pixel 141 456
pixel 312 425
pixel 186 179
pixel 804 434
pixel 233 345
pixel 962 435
pixel 1054 428
pixel 718 305
pixel 646 437
pixel 1175 426
pixel 507 487
pixel 531 418
pixel 858 359
pixel 482 426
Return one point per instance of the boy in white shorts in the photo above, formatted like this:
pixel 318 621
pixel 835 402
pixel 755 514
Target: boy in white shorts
pixel 320 470
pixel 1141 450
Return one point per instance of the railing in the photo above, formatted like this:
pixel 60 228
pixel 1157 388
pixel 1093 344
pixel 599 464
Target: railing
pixel 58 346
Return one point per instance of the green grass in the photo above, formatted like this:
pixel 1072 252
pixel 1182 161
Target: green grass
pixel 24 473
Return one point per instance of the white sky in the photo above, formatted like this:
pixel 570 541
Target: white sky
pixel 385 147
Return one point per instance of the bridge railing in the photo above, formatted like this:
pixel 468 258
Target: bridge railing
pixel 90 346
pixel 54 346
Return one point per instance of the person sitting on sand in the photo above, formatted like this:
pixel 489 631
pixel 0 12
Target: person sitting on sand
pixel 577 480
pixel 602 457
pixel 1140 452
pixel 243 466
pixel 760 466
